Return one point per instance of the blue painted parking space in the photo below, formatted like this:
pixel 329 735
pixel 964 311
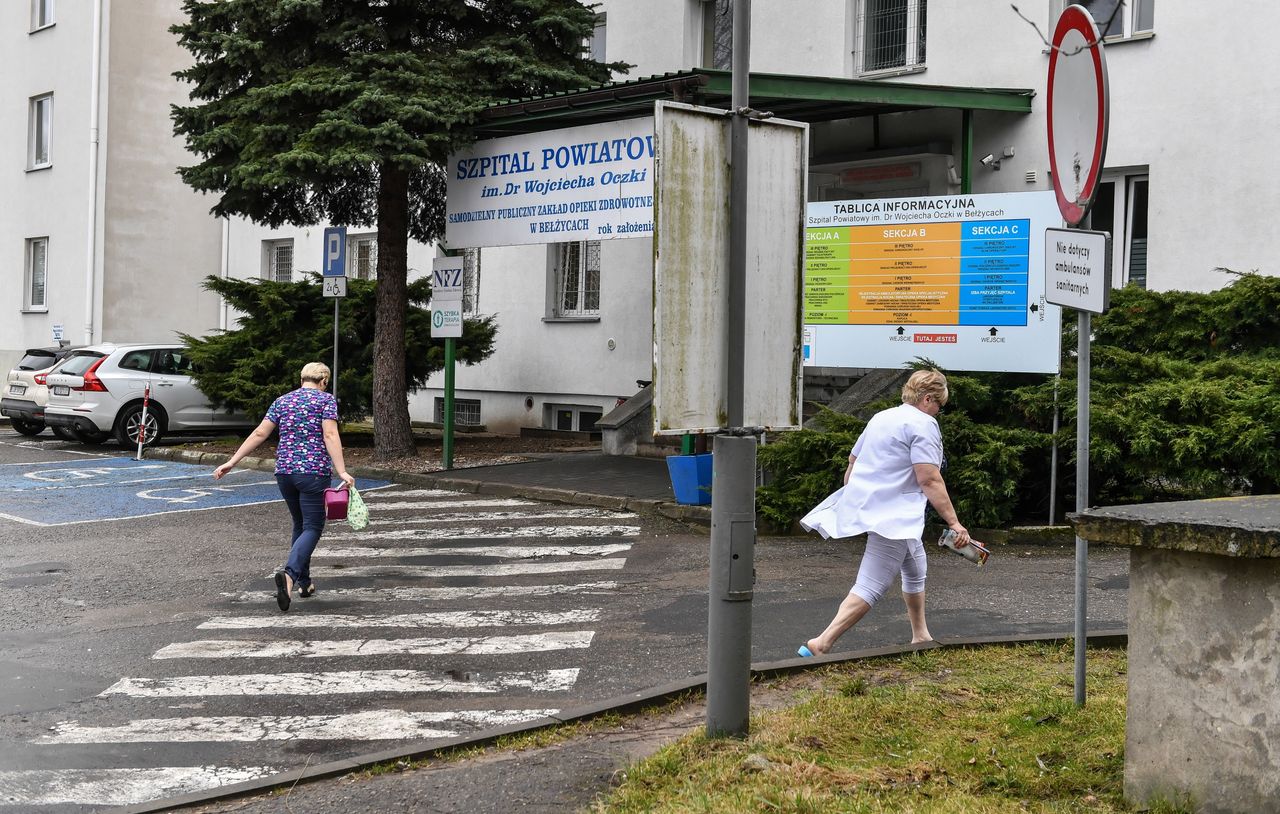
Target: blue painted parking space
pixel 81 491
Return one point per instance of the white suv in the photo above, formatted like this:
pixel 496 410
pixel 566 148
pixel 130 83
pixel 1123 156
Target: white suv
pixel 98 392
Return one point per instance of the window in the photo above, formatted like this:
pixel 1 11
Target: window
pixel 139 360
pixel 595 46
pixel 717 34
pixel 1120 208
pixel 577 271
pixel 41 14
pixel 278 260
pixel 173 363
pixel 470 281
pixel 572 417
pixel 39 131
pixel 891 35
pixel 35 288
pixel 362 257
pixel 1120 20
pixel 466 412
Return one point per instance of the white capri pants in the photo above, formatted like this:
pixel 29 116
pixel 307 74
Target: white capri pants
pixel 883 560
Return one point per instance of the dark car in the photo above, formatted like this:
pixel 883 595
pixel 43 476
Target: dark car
pixel 26 391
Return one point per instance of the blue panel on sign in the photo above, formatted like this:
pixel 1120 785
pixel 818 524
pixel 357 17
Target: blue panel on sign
pixel 118 488
pixel 335 252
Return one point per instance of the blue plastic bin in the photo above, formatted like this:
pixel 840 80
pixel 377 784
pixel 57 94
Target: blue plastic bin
pixel 691 478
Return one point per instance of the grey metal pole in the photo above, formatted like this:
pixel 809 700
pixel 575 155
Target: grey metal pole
pixel 334 373
pixel 1053 456
pixel 733 498
pixel 1082 501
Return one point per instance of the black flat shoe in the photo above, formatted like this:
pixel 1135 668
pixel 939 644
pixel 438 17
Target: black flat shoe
pixel 307 590
pixel 282 589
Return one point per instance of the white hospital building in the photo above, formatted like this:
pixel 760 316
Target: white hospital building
pixel 101 240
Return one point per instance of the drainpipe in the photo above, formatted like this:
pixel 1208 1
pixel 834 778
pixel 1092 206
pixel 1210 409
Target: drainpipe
pixel 225 270
pixel 91 251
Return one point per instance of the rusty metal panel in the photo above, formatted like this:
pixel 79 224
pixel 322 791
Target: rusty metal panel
pixel 691 259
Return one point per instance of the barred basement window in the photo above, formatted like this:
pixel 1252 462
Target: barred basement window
pixel 362 257
pixel 466 412
pixel 278 260
pixel 891 35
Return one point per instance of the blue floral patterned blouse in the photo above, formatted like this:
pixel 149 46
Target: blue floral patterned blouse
pixel 299 415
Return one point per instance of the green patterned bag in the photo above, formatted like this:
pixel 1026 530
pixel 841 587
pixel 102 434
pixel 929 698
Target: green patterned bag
pixel 357 511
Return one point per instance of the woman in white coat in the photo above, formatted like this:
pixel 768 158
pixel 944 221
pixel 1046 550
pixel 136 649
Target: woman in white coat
pixel 894 469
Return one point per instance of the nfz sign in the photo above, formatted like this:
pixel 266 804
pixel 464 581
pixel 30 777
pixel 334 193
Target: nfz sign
pixel 446 297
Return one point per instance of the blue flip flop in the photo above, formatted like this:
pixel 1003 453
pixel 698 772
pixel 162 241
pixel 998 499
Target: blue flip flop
pixel 805 652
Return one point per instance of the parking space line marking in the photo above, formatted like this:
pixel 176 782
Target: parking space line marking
pixel 402 594
pixel 118 787
pixel 350 682
pixel 457 645
pixel 381 724
pixel 495 570
pixel 461 619
pixel 506 552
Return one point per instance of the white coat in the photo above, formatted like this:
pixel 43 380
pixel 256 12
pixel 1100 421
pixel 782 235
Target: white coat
pixel 882 494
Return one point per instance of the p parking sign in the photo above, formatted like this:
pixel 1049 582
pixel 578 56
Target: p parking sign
pixel 335 251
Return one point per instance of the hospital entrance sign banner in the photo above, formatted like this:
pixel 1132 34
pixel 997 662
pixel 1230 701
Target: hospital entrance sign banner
pixel 947 278
pixel 581 183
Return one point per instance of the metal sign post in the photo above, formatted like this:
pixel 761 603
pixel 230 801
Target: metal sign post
pixel 334 285
pixel 1078 117
pixel 446 322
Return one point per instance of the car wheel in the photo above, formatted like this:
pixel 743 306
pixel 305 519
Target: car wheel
pixel 64 433
pixel 26 426
pixel 90 436
pixel 131 419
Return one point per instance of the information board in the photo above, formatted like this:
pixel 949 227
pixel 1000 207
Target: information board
pixel 956 279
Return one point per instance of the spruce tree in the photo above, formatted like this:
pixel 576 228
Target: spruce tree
pixel 345 111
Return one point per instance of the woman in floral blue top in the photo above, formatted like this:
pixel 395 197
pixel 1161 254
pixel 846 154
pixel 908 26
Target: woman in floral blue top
pixel 308 452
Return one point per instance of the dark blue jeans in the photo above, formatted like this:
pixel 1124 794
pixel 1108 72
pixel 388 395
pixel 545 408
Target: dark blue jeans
pixel 304 495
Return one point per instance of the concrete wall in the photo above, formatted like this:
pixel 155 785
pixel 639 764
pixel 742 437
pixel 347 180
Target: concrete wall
pixel 1204 700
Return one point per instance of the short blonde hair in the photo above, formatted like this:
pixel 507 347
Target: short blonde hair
pixel 317 372
pixel 926 383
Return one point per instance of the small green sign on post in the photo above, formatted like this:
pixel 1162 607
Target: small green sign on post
pixel 446 323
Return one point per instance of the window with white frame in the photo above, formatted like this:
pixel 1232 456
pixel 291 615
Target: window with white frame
pixel 577 279
pixel 470 282
pixel 466 412
pixel 595 47
pixel 41 14
pixel 39 131
pixel 891 35
pixel 1120 207
pixel 1118 19
pixel 278 260
pixel 35 288
pixel 362 257
pixel 717 34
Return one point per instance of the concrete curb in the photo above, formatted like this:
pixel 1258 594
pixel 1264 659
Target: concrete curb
pixel 700 515
pixel 621 703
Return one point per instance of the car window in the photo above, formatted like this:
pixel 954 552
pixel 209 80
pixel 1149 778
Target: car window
pixel 136 360
pixel 35 360
pixel 77 364
pixel 173 363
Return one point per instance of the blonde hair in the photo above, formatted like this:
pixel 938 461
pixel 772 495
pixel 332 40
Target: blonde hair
pixel 317 372
pixel 926 383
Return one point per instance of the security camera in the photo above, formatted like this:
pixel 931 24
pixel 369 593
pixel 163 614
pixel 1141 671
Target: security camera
pixel 988 159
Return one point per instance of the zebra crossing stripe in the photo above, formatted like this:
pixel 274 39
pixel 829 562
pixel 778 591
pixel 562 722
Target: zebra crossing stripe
pixel 462 619
pixel 395 493
pixel 401 594
pixel 349 682
pixel 383 724
pixel 474 503
pixel 494 570
pixel 117 787
pixel 473 517
pixel 457 645
pixel 505 552
pixel 499 532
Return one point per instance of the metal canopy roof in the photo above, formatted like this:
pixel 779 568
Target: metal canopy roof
pixel 801 98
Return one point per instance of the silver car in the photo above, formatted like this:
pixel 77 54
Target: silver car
pixel 98 392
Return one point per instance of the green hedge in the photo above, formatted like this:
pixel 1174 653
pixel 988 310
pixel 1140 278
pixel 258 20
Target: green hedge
pixel 1185 404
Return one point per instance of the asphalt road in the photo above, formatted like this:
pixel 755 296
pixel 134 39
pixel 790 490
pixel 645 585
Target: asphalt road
pixel 142 655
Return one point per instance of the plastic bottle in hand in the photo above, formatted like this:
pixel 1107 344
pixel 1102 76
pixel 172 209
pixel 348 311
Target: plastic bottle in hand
pixel 974 552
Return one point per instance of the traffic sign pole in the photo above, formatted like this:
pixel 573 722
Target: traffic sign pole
pixel 334 284
pixel 447 275
pixel 448 402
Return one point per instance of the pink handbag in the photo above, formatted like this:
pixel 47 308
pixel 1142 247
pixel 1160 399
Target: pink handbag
pixel 335 504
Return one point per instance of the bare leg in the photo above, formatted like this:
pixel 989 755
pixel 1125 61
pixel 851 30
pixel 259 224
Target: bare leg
pixel 915 612
pixel 851 610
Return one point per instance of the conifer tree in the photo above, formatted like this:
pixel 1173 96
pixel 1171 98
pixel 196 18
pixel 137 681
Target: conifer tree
pixel 345 111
